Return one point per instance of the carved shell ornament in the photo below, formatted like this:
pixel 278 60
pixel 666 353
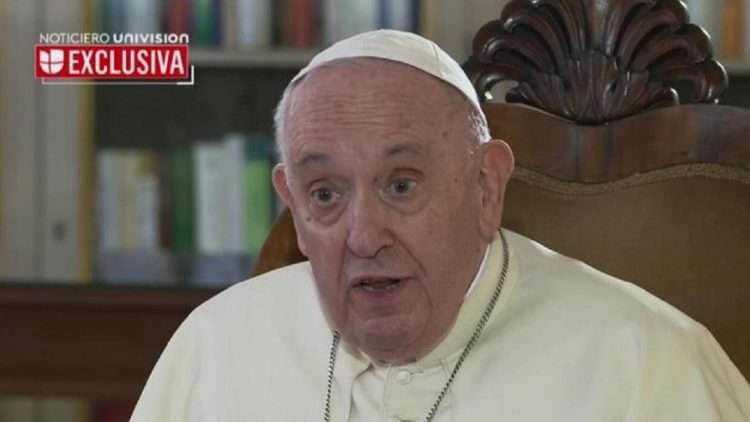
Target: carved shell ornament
pixel 593 61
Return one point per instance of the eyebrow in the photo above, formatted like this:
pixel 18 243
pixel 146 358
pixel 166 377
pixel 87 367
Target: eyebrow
pixel 323 159
pixel 403 149
pixel 313 158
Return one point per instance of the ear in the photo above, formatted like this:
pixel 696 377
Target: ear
pixel 495 168
pixel 279 180
pixel 281 185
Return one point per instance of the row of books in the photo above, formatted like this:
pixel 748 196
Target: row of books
pixel 198 213
pixel 257 23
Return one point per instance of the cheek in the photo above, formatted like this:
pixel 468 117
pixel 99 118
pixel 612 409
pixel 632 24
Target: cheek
pixel 325 250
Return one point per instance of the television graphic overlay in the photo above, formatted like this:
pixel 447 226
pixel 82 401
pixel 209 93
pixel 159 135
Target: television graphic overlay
pixel 114 63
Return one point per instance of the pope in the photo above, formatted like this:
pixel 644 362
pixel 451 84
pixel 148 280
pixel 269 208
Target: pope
pixel 414 305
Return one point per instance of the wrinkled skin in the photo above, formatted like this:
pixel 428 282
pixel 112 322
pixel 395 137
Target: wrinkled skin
pixel 393 201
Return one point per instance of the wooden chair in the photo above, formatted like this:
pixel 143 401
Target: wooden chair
pixel 611 168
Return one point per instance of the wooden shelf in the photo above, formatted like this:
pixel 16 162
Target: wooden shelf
pixel 86 341
pixel 269 58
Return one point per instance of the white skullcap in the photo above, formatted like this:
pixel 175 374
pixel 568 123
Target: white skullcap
pixel 402 47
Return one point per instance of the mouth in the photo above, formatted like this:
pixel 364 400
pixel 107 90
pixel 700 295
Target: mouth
pixel 378 285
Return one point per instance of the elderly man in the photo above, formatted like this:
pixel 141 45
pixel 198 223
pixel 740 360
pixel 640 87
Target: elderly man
pixel 413 306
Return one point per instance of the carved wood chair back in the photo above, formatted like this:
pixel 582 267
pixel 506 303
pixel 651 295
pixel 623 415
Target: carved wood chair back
pixel 611 168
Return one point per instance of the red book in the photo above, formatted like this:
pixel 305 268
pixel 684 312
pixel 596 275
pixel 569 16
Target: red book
pixel 177 16
pixel 299 29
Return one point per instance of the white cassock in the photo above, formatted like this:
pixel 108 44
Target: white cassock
pixel 564 343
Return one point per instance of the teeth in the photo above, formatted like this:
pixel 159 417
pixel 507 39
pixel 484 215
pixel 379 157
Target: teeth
pixel 379 285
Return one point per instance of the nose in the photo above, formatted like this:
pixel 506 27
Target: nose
pixel 369 227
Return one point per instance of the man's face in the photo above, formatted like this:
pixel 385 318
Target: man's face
pixel 383 182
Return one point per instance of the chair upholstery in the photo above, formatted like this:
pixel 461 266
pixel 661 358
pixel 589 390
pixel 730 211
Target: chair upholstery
pixel 623 158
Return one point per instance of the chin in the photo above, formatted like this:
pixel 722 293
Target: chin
pixel 391 347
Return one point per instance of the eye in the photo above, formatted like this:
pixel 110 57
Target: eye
pixel 402 186
pixel 324 197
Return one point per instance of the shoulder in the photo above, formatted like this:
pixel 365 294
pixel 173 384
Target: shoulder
pixel 582 296
pixel 283 300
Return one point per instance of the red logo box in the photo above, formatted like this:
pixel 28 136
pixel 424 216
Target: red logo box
pixel 112 61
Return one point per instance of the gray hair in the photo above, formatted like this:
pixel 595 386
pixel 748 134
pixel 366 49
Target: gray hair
pixel 479 129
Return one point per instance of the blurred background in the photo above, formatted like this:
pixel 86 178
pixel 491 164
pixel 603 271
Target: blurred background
pixel 163 185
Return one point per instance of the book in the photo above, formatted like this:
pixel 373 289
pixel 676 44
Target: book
pixel 299 23
pixel 253 23
pixel 139 201
pixel 177 15
pixel 204 21
pixel 344 18
pixel 731 43
pixel 260 200
pixel 229 22
pixel 107 194
pixel 142 16
pixel 235 203
pixel 181 200
pixel 114 16
pixel 129 216
pixel 209 181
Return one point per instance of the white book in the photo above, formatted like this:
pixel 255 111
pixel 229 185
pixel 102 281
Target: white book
pixel 138 201
pixel 209 196
pixel 253 23
pixel 235 203
pixel 107 200
pixel 147 211
pixel 344 18
pixel 143 16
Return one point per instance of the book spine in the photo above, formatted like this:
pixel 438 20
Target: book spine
pixel 344 18
pixel 182 201
pixel 299 23
pixel 142 16
pixel 209 182
pixel 177 16
pixel 254 23
pixel 114 16
pixel 108 184
pixel 203 20
pixel 235 203
pixel 229 35
pixel 259 194
pixel 147 202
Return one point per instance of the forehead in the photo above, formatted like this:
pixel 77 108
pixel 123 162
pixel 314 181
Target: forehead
pixel 372 104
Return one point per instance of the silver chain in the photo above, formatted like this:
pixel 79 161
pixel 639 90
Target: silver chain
pixel 470 345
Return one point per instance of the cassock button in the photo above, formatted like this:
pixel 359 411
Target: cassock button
pixel 403 377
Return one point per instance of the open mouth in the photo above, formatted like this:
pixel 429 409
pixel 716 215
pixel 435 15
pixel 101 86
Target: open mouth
pixel 378 285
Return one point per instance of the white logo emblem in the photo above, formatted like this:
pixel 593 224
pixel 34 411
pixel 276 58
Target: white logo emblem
pixel 51 61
